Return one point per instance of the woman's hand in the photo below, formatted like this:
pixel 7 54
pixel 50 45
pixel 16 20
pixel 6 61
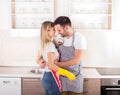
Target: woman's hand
pixel 41 63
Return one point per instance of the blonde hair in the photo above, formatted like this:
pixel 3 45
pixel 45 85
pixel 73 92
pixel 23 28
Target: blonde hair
pixel 45 39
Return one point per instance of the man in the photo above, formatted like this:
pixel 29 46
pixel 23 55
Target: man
pixel 71 52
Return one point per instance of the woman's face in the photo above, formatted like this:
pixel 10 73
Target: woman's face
pixel 51 32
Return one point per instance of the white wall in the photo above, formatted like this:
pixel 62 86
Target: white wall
pixel 15 51
pixel 61 7
pixel 102 46
pixel 18 51
pixel 103 49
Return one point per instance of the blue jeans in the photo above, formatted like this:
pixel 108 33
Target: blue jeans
pixel 50 85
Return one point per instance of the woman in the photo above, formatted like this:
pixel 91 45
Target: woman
pixel 49 53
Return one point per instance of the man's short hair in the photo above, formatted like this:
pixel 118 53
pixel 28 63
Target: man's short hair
pixel 62 20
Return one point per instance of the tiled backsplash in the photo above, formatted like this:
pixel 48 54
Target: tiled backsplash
pixel 102 49
pixel 17 51
pixel 0 50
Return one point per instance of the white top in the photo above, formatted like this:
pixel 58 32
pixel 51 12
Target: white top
pixel 79 41
pixel 49 48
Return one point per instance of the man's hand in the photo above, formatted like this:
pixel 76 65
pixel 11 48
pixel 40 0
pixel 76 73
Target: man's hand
pixel 40 60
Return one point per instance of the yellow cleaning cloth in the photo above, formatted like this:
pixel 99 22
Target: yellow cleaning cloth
pixel 66 73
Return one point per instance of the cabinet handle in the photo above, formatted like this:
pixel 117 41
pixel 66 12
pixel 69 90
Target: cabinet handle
pixel 6 82
pixel 86 79
pixel 27 79
pixel 113 89
pixel 85 92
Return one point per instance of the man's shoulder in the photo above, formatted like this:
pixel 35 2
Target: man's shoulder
pixel 78 34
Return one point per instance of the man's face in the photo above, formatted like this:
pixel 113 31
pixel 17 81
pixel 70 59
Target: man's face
pixel 60 29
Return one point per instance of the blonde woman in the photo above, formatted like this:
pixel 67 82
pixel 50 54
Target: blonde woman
pixel 49 53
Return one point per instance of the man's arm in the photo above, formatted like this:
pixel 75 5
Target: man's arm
pixel 40 60
pixel 75 60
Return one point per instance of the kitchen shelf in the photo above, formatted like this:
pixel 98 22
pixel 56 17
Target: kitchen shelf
pixel 29 14
pixel 91 14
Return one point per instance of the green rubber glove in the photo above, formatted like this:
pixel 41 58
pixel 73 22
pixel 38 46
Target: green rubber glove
pixel 66 73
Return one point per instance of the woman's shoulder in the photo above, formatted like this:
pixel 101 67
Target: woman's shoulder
pixel 51 45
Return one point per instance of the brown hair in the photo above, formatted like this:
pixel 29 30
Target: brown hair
pixel 63 20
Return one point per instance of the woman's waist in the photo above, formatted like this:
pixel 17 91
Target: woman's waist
pixel 46 69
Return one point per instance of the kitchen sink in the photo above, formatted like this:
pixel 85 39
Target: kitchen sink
pixel 36 71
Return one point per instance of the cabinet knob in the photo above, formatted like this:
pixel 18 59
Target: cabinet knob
pixel 85 92
pixel 85 80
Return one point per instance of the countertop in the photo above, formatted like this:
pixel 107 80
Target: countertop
pixel 25 72
pixel 93 73
pixel 18 72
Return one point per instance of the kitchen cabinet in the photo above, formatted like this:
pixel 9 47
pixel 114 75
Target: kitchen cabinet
pixel 91 14
pixel 92 86
pixel 32 86
pixel 29 14
pixel 85 14
pixel 10 86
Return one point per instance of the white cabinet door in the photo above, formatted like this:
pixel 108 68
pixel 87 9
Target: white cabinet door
pixel 10 86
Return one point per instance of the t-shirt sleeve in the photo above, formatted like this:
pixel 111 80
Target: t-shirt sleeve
pixel 51 48
pixel 79 41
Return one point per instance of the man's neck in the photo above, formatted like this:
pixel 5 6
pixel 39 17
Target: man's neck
pixel 71 33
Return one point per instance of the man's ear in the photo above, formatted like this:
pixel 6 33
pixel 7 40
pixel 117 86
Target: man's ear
pixel 66 27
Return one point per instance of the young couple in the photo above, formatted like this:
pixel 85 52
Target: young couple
pixel 69 65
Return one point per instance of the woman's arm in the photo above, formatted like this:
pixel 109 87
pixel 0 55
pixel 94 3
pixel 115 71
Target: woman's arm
pixel 59 70
pixel 51 64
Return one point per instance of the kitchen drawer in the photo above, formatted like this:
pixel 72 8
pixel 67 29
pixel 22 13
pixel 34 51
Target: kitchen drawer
pixel 91 86
pixel 32 86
